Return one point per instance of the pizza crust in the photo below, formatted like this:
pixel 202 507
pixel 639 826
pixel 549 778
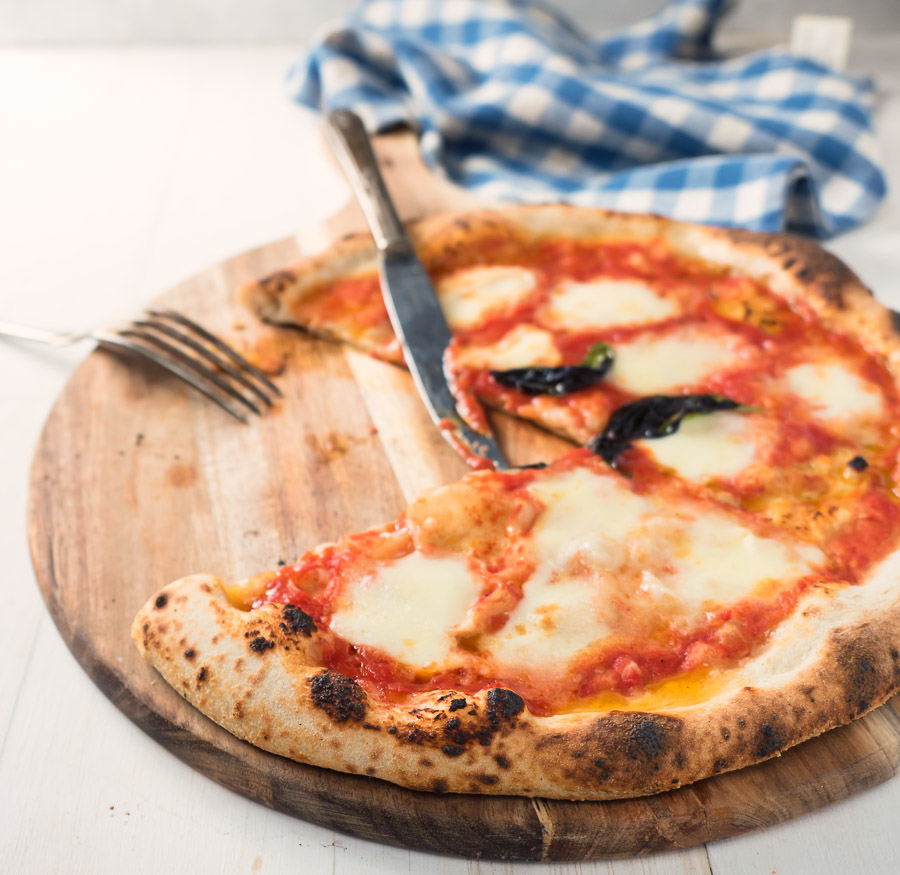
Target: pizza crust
pixel 836 658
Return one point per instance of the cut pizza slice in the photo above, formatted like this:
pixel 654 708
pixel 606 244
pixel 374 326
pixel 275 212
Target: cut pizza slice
pixel 679 307
pixel 567 632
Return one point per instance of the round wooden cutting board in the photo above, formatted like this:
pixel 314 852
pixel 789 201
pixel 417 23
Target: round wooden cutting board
pixel 137 480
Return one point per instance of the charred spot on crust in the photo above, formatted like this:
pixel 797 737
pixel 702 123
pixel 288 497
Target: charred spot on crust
pixel 603 769
pixel 201 675
pixel 726 733
pixel 277 281
pixel 858 463
pixel 720 765
pixel 503 704
pixel 371 726
pixel 392 730
pixel 770 741
pixel 260 644
pixel 647 737
pixel 439 787
pixel 298 621
pixel 341 698
pixel 453 750
pixel 501 761
pixel 161 601
pixel 490 780
pixel 190 653
pixel 456 704
pixel 866 668
pixel 416 735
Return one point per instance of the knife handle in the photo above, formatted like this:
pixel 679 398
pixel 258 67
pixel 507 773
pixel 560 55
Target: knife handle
pixel 351 144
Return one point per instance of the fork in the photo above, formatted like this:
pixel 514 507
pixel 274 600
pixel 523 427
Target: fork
pixel 215 369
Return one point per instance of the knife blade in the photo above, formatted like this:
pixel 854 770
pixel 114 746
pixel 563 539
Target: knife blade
pixel 409 295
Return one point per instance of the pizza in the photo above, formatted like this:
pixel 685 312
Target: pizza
pixel 710 577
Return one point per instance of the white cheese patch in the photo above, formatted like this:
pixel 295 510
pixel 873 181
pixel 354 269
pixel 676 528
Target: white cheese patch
pixel 584 510
pixel 468 296
pixel 522 347
pixel 409 608
pixel 603 303
pixel 721 561
pixel 563 611
pixel 557 617
pixel 834 391
pixel 599 546
pixel 708 446
pixel 656 365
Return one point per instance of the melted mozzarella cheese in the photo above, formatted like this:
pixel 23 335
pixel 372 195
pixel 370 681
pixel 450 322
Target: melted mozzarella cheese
pixel 408 609
pixel 604 302
pixel 721 561
pixel 716 445
pixel 834 391
pixel 468 296
pixel 558 616
pixel 599 546
pixel 584 510
pixel 522 347
pixel 656 365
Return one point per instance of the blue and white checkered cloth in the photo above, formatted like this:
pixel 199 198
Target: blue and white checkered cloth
pixel 513 102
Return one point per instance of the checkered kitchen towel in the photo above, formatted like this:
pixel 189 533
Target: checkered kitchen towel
pixel 513 102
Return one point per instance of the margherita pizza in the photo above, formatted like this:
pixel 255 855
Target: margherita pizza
pixel 713 577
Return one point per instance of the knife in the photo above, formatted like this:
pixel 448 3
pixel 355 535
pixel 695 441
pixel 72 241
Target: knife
pixel 409 296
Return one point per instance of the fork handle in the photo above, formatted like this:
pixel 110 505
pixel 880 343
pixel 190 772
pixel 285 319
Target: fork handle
pixel 348 138
pixel 39 335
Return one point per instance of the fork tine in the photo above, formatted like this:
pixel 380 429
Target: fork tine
pixel 216 360
pixel 195 365
pixel 223 347
pixel 111 340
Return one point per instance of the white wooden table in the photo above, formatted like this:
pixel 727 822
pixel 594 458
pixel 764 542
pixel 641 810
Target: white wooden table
pixel 122 172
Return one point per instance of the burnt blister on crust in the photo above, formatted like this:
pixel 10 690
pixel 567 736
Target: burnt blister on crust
pixel 276 282
pixel 503 704
pixel 261 645
pixel 645 745
pixel 341 698
pixel 895 320
pixel 161 601
pixel 770 741
pixel 297 621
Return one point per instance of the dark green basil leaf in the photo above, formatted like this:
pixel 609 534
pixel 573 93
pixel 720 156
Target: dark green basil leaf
pixel 653 417
pixel 562 380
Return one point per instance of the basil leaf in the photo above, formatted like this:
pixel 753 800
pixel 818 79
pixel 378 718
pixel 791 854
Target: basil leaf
pixel 653 417
pixel 561 380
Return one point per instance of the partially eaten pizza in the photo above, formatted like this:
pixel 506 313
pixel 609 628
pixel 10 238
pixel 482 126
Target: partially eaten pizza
pixel 711 577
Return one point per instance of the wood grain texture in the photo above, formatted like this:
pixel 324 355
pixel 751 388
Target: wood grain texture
pixel 137 481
